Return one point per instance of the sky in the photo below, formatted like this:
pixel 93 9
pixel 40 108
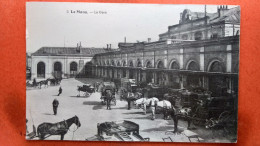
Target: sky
pixel 53 24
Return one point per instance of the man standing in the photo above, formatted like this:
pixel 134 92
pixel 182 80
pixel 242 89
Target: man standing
pixel 130 97
pixel 173 114
pixel 55 105
pixel 109 97
pixel 153 104
pixel 60 91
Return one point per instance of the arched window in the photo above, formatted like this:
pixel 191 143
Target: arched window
pixel 216 67
pixel 131 64
pixel 57 66
pixel 124 63
pixel 193 66
pixel 149 64
pixel 73 66
pixel 139 63
pixel 41 70
pixel 198 35
pixel 112 63
pixel 174 65
pixel 160 65
pixel 118 63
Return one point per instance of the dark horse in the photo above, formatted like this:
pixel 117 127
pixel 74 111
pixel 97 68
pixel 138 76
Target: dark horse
pixel 177 114
pixel 45 130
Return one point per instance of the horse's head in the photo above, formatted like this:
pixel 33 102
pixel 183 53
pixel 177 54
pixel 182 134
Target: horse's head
pixel 76 121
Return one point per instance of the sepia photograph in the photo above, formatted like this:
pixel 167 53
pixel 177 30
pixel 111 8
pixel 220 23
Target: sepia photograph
pixel 132 72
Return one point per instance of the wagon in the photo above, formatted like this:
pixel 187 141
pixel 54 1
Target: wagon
pixel 108 86
pixel 118 131
pixel 213 107
pixel 87 89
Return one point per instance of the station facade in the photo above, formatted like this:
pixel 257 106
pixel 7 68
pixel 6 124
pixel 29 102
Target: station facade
pixel 62 62
pixel 201 51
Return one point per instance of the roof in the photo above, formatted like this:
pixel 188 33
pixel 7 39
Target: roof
pixel 231 15
pixel 69 51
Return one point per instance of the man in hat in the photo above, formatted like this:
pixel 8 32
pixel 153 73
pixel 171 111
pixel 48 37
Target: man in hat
pixel 60 91
pixel 55 105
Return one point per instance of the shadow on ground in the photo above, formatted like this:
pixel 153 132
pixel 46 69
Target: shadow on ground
pixel 140 118
pixel 139 113
pixel 48 113
pixel 161 128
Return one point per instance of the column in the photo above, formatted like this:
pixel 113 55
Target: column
pixel 202 63
pixel 229 58
pixel 181 58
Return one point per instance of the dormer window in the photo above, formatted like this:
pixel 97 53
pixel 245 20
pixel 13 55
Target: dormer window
pixel 184 37
pixel 198 35
pixel 214 36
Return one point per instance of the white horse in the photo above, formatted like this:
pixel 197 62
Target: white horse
pixel 164 104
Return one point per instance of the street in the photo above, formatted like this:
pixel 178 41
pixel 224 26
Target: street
pixel 90 112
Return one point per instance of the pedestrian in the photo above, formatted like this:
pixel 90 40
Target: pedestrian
pixel 173 114
pixel 153 104
pixel 109 97
pixel 34 83
pixel 130 96
pixel 60 91
pixel 55 105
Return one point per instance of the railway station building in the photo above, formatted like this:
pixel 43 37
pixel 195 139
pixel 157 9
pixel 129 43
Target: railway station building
pixel 62 62
pixel 202 50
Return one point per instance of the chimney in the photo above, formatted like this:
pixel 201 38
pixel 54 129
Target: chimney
pixel 110 46
pixel 107 46
pixel 222 10
pixel 149 40
pixel 180 18
pixel 78 48
pixel 125 39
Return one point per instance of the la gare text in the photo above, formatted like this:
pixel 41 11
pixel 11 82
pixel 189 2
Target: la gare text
pixel 85 12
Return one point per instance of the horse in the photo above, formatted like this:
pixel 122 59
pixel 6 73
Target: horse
pixel 45 82
pixel 164 106
pixel 176 114
pixel 55 81
pixel 60 128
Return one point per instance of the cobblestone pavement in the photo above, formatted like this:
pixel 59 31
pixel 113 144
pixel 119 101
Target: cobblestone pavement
pixel 90 112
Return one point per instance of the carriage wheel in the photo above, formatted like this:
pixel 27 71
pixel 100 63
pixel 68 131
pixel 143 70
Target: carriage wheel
pixel 195 120
pixel 224 115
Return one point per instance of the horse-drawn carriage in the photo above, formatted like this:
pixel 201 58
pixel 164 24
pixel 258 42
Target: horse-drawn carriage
pixel 198 106
pixel 87 89
pixel 118 131
pixel 108 86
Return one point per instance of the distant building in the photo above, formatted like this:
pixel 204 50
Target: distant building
pixel 28 65
pixel 49 62
pixel 201 51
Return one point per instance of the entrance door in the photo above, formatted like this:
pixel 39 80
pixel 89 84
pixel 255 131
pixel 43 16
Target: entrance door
pixel 40 70
pixel 57 70
pixel 73 69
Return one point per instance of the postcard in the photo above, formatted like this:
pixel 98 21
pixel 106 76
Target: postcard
pixel 132 72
